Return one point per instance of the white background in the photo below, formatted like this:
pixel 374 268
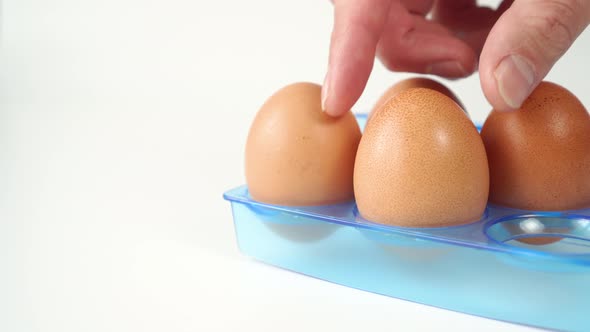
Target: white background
pixel 121 125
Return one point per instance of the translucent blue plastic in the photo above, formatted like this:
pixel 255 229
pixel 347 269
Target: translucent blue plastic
pixel 483 268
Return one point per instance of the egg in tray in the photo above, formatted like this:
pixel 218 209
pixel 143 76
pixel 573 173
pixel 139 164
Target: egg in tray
pixel 416 203
pixel 421 161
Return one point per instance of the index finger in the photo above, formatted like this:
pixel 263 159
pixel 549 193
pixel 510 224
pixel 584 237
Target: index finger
pixel 357 28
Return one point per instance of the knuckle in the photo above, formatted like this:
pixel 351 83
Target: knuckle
pixel 393 52
pixel 390 64
pixel 391 60
pixel 418 7
pixel 556 28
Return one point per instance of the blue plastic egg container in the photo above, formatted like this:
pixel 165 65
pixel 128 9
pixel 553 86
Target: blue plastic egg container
pixel 481 268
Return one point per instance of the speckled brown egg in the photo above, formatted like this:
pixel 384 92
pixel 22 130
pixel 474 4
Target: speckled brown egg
pixel 537 240
pixel 539 155
pixel 421 163
pixel 296 155
pixel 415 82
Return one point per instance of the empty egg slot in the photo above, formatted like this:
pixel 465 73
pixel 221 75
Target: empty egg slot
pixel 558 234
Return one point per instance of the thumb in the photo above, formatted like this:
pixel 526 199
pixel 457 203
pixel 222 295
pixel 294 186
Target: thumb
pixel 524 44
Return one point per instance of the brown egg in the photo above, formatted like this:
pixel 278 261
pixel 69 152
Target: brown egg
pixel 415 82
pixel 537 240
pixel 540 241
pixel 296 155
pixel 421 163
pixel 539 156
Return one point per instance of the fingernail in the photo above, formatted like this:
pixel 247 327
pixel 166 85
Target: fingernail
pixel 514 78
pixel 449 68
pixel 325 88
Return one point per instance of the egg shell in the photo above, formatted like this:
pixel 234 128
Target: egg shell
pixel 539 155
pixel 296 155
pixel 540 241
pixel 415 82
pixel 421 163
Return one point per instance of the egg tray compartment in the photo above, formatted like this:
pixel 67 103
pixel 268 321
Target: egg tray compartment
pixel 485 268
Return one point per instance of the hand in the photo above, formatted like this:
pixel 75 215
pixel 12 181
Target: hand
pixel 517 44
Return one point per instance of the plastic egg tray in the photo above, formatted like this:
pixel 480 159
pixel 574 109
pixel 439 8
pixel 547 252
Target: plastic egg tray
pixel 485 268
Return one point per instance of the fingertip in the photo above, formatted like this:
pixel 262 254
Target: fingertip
pixel 451 69
pixel 325 94
pixel 334 104
pixel 329 98
pixel 490 89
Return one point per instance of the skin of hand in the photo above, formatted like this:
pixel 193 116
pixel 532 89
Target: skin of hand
pixel 516 44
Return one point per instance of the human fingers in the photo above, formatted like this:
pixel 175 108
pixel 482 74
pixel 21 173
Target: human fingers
pixel 358 25
pixel 524 44
pixel 412 43
pixel 467 20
